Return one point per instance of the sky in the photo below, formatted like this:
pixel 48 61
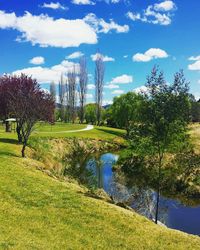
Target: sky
pixel 45 38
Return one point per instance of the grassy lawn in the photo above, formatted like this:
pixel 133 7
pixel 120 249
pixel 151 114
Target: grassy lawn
pixel 46 130
pixel 39 212
pixel 195 136
pixel 58 127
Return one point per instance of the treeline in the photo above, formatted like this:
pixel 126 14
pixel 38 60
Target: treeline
pixel 72 92
pixel 128 108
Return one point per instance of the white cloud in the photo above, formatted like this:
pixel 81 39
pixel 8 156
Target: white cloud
pixel 47 75
pixel 194 58
pixel 165 6
pixel 115 1
pixel 125 56
pixel 196 95
pixel 123 79
pixel 156 17
pixel 45 90
pixel 159 13
pixel 194 66
pixel 83 2
pixel 54 6
pixel 90 2
pixel 91 86
pixel 127 2
pixel 111 86
pixel 101 26
pixel 47 31
pixel 89 96
pixel 133 16
pixel 118 92
pixel 104 57
pixel 149 55
pixel 107 102
pixel 141 89
pixel 75 55
pixel 37 60
pixel 198 81
pixel 7 20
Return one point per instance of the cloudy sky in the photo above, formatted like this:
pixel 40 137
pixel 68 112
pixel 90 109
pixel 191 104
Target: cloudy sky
pixel 46 38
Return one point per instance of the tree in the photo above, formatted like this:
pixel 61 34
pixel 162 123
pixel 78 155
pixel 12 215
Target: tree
pixel 125 110
pixel 163 122
pixel 195 109
pixel 72 91
pixel 53 94
pixel 53 90
pixel 99 82
pixel 90 113
pixel 4 110
pixel 28 103
pixel 83 78
pixel 61 89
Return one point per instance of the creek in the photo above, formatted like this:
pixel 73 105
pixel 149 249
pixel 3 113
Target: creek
pixel 98 170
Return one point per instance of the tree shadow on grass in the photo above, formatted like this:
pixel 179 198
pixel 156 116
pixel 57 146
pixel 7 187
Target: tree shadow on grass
pixel 8 152
pixel 9 141
pixel 110 131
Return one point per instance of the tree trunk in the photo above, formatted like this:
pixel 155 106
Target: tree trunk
pixel 82 115
pixel 158 192
pixel 18 130
pixel 23 149
pixel 157 204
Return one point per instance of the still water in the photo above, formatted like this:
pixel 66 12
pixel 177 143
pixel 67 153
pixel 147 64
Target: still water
pixel 171 212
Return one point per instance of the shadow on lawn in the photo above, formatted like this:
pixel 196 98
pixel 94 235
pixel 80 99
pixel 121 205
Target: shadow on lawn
pixel 110 131
pixel 9 141
pixel 5 151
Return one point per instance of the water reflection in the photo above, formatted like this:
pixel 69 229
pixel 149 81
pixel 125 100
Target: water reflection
pixel 171 212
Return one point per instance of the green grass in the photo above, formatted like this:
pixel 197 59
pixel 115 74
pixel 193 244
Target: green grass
pixel 195 136
pixel 39 212
pixel 58 127
pixel 46 130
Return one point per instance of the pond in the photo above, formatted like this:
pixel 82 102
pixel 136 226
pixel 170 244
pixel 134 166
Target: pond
pixel 171 212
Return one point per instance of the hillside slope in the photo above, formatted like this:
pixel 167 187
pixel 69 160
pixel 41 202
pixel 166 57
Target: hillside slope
pixel 39 212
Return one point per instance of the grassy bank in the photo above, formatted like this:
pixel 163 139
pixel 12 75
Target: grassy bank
pixel 40 212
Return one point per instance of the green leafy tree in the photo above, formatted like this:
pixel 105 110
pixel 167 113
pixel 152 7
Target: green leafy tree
pixel 90 113
pixel 125 110
pixel 163 121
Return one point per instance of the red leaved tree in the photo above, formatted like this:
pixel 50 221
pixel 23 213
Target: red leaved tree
pixel 28 103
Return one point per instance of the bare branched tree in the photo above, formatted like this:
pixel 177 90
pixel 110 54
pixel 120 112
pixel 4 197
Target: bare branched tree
pixel 53 90
pixel 72 94
pixel 67 111
pixel 62 97
pixel 99 82
pixel 82 89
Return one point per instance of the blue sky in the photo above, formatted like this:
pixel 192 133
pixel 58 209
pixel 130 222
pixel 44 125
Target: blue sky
pixel 45 38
